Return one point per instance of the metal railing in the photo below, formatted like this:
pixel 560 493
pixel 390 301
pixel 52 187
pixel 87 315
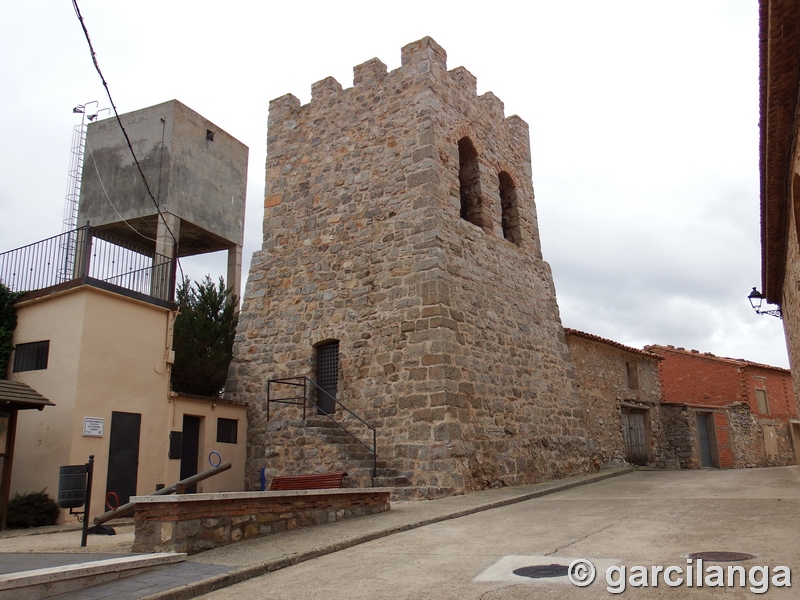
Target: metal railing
pixel 305 399
pixel 88 252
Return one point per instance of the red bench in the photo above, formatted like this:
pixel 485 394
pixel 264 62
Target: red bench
pixel 307 482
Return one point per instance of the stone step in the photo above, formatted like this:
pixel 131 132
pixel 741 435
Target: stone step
pixel 392 481
pixel 54 581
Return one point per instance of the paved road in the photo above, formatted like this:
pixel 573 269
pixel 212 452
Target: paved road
pixel 645 518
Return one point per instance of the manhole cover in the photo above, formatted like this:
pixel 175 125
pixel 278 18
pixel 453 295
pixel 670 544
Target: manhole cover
pixel 541 571
pixel 722 556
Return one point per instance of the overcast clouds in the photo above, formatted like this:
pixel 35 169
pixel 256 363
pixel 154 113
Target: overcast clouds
pixel 643 118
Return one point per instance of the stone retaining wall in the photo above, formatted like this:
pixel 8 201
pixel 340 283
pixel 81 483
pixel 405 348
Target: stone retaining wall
pixel 193 523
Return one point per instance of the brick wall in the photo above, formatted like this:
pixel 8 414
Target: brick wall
pixel 725 387
pixel 197 522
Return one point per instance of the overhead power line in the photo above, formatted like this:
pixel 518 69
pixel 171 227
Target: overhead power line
pixel 119 121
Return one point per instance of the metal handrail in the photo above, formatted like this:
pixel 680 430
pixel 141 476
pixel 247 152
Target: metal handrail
pixel 88 252
pixel 304 399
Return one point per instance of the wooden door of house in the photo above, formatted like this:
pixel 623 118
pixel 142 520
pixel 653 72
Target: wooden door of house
pixel 635 437
pixel 190 449
pixel 123 456
pixel 704 440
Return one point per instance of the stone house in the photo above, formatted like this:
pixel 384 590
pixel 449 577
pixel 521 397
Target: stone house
pixel 780 167
pixel 401 278
pixel 622 396
pixel 725 412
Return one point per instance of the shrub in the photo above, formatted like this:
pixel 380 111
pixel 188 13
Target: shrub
pixel 31 509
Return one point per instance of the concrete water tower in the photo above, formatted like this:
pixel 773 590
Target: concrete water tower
pixel 197 175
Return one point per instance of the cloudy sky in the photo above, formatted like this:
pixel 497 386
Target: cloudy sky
pixel 643 118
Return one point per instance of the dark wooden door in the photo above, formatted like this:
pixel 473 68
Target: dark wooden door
pixel 190 449
pixel 123 455
pixel 704 439
pixel 635 437
pixel 327 376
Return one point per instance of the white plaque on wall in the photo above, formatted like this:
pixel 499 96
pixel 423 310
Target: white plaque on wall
pixel 93 427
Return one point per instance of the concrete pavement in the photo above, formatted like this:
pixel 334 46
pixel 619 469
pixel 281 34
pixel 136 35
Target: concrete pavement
pixel 231 564
pixel 646 518
pixel 468 546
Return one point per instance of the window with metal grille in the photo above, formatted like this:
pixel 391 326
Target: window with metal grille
pixel 763 402
pixel 227 430
pixel 327 376
pixel 633 375
pixel 32 356
pixel 328 365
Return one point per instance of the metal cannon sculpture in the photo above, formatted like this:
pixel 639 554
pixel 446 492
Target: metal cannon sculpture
pixel 127 509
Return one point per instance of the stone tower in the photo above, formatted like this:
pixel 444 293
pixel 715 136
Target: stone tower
pixel 399 222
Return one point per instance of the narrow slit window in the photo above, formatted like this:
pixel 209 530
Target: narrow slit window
pixel 508 203
pixel 633 375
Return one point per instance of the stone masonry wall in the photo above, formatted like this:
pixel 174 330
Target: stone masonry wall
pixel 680 435
pixel 601 368
pixel 197 522
pixel 449 333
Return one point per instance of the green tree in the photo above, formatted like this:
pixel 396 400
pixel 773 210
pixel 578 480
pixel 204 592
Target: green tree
pixel 203 336
pixel 8 321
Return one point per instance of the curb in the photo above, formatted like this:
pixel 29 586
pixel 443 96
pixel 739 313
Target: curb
pixel 205 586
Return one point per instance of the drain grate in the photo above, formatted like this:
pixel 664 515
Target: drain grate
pixel 722 556
pixel 542 571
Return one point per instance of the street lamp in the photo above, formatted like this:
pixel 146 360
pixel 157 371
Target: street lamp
pixel 756 300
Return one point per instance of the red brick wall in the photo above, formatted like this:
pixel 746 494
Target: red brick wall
pixel 697 379
pixel 780 392
pixel 723 435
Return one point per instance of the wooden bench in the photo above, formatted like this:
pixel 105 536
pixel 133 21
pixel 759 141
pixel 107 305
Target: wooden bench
pixel 307 482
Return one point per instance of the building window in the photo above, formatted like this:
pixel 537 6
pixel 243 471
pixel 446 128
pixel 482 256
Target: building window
pixel 508 203
pixel 472 209
pixel 32 356
pixel 227 430
pixel 327 376
pixel 633 375
pixel 763 402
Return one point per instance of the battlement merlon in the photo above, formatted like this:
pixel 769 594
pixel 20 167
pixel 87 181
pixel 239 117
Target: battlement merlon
pixel 369 73
pixel 423 57
pixel 425 54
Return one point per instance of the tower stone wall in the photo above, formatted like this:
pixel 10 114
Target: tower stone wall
pixel 399 219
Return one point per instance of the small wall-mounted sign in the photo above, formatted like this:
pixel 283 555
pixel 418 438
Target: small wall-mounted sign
pixel 93 427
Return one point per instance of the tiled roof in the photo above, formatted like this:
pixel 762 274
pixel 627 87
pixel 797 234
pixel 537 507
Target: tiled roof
pixel 597 338
pixel 21 395
pixel 707 355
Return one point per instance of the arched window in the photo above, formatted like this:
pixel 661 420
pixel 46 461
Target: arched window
pixel 508 202
pixel 472 208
